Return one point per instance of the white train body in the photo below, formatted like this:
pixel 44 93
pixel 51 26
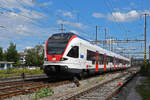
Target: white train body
pixel 69 54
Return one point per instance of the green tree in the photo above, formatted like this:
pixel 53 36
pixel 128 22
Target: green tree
pixel 34 56
pixel 11 53
pixel 1 54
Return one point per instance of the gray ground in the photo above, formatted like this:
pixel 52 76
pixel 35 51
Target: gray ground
pixel 129 91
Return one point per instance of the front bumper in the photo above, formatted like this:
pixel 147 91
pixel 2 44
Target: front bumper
pixel 58 70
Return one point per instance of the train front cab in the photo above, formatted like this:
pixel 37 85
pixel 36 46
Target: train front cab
pixel 65 63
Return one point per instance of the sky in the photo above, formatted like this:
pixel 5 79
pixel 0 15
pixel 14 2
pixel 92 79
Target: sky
pixel 30 22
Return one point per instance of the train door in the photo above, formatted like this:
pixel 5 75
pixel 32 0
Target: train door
pixel 105 62
pixel 97 60
pixel 114 63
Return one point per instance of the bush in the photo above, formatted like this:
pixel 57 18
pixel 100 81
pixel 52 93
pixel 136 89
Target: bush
pixel 42 93
pixel 144 88
pixel 13 72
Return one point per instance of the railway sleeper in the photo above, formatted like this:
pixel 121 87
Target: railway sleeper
pixel 10 83
pixel 10 93
pixel 35 88
pixel 10 88
pixel 2 89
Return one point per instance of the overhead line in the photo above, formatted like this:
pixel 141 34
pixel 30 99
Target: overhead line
pixel 59 17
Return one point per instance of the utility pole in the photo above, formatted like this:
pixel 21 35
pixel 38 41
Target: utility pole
pixel 105 32
pixel 62 28
pixel 145 29
pixel 96 35
pixel 105 29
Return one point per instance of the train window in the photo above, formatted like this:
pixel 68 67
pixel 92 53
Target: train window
pixel 105 59
pixel 108 59
pixel 91 56
pixel 74 52
pixel 114 60
pixel 120 60
pixel 61 36
pixel 111 59
pixel 101 59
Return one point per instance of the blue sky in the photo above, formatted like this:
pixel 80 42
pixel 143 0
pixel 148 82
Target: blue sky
pixel 30 22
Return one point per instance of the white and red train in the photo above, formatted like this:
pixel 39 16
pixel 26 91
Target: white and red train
pixel 67 54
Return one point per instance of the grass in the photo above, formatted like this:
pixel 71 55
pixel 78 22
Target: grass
pixel 144 88
pixel 101 78
pixel 44 92
pixel 7 73
pixel 88 81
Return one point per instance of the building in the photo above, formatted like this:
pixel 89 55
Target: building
pixel 137 62
pixel 5 64
pixel 22 57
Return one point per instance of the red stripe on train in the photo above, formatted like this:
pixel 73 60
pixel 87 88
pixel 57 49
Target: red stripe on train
pixel 74 36
pixel 87 66
pixel 97 54
pixel 46 48
pixel 104 62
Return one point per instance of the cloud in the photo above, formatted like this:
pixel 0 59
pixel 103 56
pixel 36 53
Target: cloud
pixel 124 17
pixel 22 22
pixel 42 4
pixel 76 25
pixel 11 4
pixel 30 13
pixel 73 31
pixel 28 47
pixel 65 13
pixel 119 16
pixel 98 15
pixel 46 3
pixel 116 9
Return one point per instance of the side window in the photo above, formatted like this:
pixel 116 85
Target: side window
pixel 105 59
pixel 111 59
pixel 74 52
pixel 101 59
pixel 91 55
pixel 108 59
pixel 114 60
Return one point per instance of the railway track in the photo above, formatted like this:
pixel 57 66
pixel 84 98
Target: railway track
pixel 109 84
pixel 28 77
pixel 9 89
pixel 103 91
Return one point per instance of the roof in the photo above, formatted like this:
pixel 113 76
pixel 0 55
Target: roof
pixel 6 62
pixel 21 53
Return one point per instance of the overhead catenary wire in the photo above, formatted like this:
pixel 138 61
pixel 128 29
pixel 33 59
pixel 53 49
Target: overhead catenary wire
pixel 34 21
pixel 110 9
pixel 60 18
pixel 90 24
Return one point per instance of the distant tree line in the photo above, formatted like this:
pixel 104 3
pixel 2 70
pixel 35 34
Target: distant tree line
pixel 34 56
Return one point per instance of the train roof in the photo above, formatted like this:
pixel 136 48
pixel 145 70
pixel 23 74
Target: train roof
pixel 70 34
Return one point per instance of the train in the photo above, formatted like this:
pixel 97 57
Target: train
pixel 69 55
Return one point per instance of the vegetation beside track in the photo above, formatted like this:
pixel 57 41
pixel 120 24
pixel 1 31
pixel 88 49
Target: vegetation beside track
pixel 44 92
pixel 144 88
pixel 8 73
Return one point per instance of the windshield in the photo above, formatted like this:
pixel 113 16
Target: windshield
pixel 57 43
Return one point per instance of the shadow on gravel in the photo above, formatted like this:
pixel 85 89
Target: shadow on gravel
pixel 128 92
